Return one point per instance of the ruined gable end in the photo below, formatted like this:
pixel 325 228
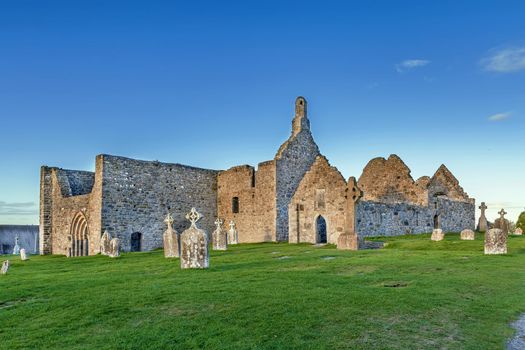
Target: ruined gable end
pixel 389 181
pixel 444 183
pixel 316 211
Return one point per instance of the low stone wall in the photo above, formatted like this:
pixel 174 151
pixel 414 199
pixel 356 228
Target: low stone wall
pixel 381 219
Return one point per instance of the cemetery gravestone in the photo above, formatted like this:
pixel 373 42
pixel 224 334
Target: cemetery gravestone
pixel 194 252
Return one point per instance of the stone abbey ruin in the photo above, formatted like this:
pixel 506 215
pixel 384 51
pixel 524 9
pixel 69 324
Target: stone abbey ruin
pixel 296 197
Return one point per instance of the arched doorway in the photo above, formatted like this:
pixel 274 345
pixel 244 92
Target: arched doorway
pixel 136 242
pixel 436 221
pixel 320 229
pixel 79 236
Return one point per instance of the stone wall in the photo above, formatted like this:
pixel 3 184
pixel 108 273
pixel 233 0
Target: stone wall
pixel 255 192
pixel 320 193
pixel 60 201
pixel 389 181
pixel 137 195
pixel 293 159
pixel 27 234
pixel 391 219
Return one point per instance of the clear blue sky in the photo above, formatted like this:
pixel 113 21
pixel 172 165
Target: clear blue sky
pixel 212 84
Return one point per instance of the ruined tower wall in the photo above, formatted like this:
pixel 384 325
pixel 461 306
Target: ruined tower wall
pixel 321 192
pixel 137 195
pixel 255 191
pixel 293 159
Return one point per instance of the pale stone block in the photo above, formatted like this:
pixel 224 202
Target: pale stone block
pixel 468 235
pixel 437 235
pixel 495 241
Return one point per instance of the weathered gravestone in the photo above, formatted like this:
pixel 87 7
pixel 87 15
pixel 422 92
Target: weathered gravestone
pixel 233 235
pixel 105 243
pixel 194 252
pixel 5 267
pixel 219 237
pixel 467 235
pixel 501 222
pixel 171 239
pixel 23 255
pixel 349 240
pixel 495 241
pixel 518 232
pixel 482 222
pixel 114 248
pixel 16 249
pixel 437 235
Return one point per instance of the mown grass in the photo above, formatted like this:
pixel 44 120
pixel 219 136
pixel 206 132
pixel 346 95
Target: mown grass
pixel 414 294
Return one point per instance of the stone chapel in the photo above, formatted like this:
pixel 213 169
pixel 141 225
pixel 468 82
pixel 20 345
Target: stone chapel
pixel 295 197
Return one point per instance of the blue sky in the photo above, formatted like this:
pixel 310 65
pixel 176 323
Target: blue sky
pixel 212 84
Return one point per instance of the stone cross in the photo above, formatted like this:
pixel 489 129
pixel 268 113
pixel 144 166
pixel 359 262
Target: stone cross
pixel 232 225
pixel 193 216
pixel 194 252
pixel 16 249
pixel 170 239
pixel 349 240
pixel 502 214
pixel 219 237
pixel 483 207
pixel 482 222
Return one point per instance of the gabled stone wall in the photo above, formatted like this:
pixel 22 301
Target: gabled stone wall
pixel 320 193
pixel 293 160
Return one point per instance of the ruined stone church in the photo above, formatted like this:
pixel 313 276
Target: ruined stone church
pixel 296 197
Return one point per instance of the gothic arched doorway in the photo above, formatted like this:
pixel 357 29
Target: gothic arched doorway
pixel 79 236
pixel 320 229
pixel 136 242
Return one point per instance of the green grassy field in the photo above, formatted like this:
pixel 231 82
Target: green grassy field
pixel 414 294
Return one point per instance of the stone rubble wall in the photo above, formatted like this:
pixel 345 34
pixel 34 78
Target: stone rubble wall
pixel 321 192
pixel 389 181
pixel 386 219
pixel 293 162
pixel 137 195
pixel 255 221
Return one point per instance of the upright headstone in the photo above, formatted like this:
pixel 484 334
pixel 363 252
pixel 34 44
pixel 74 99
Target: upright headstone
pixel 501 222
pixel 219 237
pixel 23 255
pixel 495 241
pixel 5 267
pixel 114 248
pixel 349 240
pixel 194 252
pixel 233 235
pixel 482 222
pixel 468 235
pixel 171 239
pixel 518 232
pixel 437 235
pixel 105 243
pixel 16 249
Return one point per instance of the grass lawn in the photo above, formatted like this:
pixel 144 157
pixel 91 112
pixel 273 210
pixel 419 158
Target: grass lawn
pixel 414 294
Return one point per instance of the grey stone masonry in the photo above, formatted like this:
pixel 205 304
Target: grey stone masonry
pixel 136 195
pixel 382 219
pixel 294 158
